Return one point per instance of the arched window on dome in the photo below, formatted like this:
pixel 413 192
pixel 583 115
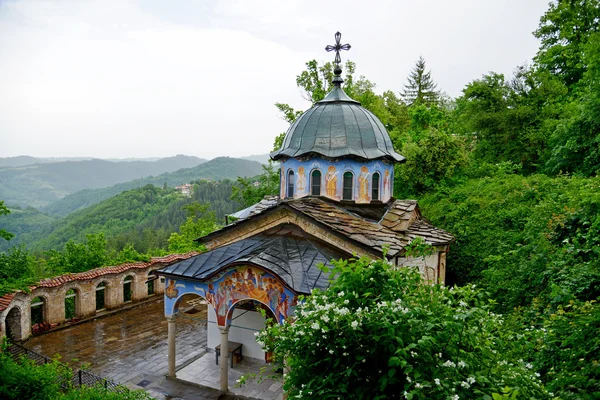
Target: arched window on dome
pixel 290 184
pixel 375 187
pixel 315 183
pixel 348 188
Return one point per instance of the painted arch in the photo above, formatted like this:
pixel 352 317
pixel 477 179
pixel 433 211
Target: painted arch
pixel 232 285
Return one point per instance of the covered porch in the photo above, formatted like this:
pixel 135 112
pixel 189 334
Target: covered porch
pixel 243 284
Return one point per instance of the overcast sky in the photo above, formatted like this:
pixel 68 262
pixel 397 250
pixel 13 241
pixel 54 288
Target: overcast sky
pixel 154 78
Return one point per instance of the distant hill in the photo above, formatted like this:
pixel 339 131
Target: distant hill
pixel 39 185
pixel 144 217
pixel 216 169
pixel 261 158
pixel 20 161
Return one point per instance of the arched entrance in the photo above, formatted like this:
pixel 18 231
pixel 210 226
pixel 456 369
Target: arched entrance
pixel 13 321
pixel 71 304
pixel 127 289
pixel 38 315
pixel 245 319
pixel 101 296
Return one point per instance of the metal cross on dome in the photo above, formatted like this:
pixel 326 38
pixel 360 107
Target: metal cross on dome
pixel 338 47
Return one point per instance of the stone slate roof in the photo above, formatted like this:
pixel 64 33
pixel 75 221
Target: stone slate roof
pixel 97 272
pixel 338 127
pixel 284 250
pixel 400 222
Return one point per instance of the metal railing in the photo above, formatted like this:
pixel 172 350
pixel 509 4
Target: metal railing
pixel 80 377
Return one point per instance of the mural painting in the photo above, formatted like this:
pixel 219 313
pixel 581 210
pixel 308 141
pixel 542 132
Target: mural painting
pixel 331 182
pixel 224 290
pixel 363 185
pixel 301 182
pixel 332 171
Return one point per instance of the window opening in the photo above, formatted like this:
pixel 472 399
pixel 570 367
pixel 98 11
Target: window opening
pixel 347 193
pixel 375 187
pixel 100 294
pixel 290 184
pixel 127 292
pixel 70 306
pixel 315 183
pixel 37 311
pixel 150 284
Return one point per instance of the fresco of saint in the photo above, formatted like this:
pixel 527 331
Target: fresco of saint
pixel 301 182
pixel 171 291
pixel 363 185
pixel 331 182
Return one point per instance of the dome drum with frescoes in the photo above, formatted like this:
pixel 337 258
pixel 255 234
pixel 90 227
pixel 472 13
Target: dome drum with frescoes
pixel 337 149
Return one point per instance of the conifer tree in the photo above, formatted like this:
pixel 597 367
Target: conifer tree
pixel 420 88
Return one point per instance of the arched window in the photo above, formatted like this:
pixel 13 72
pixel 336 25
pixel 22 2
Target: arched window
pixel 290 184
pixel 348 192
pixel 315 183
pixel 37 311
pixel 127 292
pixel 100 289
pixel 150 284
pixel 70 304
pixel 375 186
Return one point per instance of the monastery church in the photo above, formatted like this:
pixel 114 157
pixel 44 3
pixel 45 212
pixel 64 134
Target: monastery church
pixel 335 202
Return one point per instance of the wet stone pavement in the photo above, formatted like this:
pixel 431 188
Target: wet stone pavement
pixel 124 344
pixel 130 347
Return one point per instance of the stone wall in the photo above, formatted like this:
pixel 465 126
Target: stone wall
pixel 15 308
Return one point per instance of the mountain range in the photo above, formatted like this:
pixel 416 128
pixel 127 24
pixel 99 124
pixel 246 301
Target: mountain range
pixel 47 181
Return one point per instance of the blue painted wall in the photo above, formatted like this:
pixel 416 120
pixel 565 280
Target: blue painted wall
pixel 332 173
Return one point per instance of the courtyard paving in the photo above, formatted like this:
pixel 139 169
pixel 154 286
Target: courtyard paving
pixel 205 372
pixel 130 347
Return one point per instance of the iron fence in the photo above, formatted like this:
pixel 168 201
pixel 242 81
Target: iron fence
pixel 80 377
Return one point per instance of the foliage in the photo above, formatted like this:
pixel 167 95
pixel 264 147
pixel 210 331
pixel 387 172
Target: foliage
pixel 200 222
pixel 4 211
pixel 431 159
pixel 522 237
pixel 51 381
pixel 17 270
pixel 79 257
pixel 575 143
pixel 564 30
pixel 420 88
pixel 567 350
pixel 510 120
pixel 381 332
pixel 25 380
pixel 249 191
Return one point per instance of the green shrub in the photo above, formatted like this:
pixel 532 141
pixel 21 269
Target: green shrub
pixel 380 332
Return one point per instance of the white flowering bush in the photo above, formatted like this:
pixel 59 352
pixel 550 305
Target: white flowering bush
pixel 380 332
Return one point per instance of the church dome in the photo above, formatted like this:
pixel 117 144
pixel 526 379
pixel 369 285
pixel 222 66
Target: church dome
pixel 337 127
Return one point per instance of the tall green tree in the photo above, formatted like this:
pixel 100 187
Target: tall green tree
pixel 420 88
pixel 510 120
pixel 564 32
pixel 575 143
